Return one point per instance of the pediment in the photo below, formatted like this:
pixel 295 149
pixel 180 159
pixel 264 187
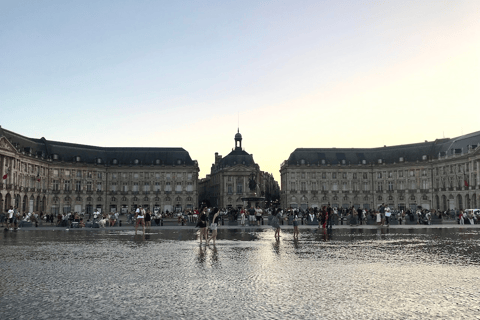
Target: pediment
pixel 6 145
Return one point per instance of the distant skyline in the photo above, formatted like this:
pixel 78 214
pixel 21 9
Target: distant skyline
pixel 293 74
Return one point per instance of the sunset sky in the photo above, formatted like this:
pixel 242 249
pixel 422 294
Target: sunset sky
pixel 290 74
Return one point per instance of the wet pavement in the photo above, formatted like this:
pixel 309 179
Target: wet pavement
pixel 401 272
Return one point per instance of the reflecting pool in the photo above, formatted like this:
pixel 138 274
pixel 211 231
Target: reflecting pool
pixel 346 274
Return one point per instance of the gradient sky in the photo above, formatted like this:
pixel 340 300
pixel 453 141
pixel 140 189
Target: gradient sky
pixel 291 73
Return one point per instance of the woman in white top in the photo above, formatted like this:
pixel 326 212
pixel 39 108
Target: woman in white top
pixel 379 217
pixel 140 213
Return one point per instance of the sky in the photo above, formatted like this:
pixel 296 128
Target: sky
pixel 288 74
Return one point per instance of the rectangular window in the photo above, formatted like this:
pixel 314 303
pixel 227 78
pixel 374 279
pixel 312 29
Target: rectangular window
pixel 324 186
pixel 146 187
pixel 67 173
pixel 113 187
pixel 89 174
pixel 67 185
pixel 303 175
pixel 157 186
pixel 324 175
pixel 344 186
pixel 344 175
pixel 239 188
pixel 168 186
pixel 380 186
pixel 190 176
pixel 313 175
pixel 379 175
pixel 334 175
pixel 114 176
pixel 135 186
pixel 55 185
pixel 79 173
pixel 78 185
pixel 125 187
pixel 334 186
pixel 390 186
pixel 230 189
pixel 424 184
pixel 292 186
pixel 314 186
pixel 55 172
pixel 190 187
pixel 99 186
pixel 365 176
pixel 366 187
pixel 303 186
pixel 354 176
pixel 89 185
pixel 400 174
pixel 178 187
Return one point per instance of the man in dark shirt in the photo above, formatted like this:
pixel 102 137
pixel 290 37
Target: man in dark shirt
pixel 251 215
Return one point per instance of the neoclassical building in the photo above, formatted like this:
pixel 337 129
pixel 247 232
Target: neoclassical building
pixel 441 174
pixel 51 176
pixel 228 180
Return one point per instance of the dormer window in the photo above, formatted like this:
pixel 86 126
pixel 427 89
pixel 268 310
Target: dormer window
pixel 364 161
pixel 114 161
pixel 157 161
pixel 344 161
pixel 99 160
pixel 55 156
pixel 179 161
pixel 78 159
pixel 424 157
pixel 379 161
pixel 323 161
pixel 401 159
pixel 136 161
pixel 302 161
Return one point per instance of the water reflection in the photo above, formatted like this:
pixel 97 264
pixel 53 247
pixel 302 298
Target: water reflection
pixel 348 273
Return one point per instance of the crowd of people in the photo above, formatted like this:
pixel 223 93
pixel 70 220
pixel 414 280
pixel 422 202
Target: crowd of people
pixel 325 217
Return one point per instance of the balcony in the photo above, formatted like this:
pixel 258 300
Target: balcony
pixel 67 191
pixel 55 191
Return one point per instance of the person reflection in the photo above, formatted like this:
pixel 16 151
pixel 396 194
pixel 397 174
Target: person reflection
pixel 214 255
pixel 201 254
pixel 276 246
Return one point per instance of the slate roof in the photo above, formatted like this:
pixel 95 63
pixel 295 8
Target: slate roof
pixel 237 157
pixel 391 154
pixel 69 152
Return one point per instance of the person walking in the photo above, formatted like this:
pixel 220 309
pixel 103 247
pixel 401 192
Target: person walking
pixel 140 213
pixel 295 225
pixel 214 226
pixel 202 224
pixel 242 217
pixel 388 213
pixel 276 223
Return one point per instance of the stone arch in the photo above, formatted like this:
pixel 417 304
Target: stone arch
pixel 1 202
pixel 459 202
pixel 8 201
pixel 24 203
pixel 437 201
pixel 444 202
pixel 467 202
pixel 37 204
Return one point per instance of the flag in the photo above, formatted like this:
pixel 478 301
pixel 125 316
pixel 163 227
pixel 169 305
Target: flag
pixel 465 181
pixel 4 177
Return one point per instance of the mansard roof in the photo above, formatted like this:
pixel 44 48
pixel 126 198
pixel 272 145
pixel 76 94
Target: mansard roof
pixel 408 152
pixel 69 152
pixel 237 157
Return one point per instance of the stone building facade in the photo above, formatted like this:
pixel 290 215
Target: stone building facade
pixel 50 176
pixel 443 174
pixel 228 180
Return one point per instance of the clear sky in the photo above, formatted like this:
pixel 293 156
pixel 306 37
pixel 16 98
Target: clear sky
pixel 291 73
